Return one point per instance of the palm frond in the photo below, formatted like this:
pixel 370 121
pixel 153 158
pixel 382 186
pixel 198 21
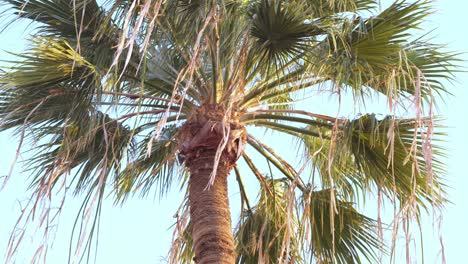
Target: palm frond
pixel 323 8
pixel 95 146
pixel 147 171
pixel 387 153
pixel 347 237
pixel 43 87
pixel 54 60
pixel 280 31
pixel 83 23
pixel 186 254
pixel 60 17
pixel 261 233
pixel 163 67
pixel 433 65
pixel 378 53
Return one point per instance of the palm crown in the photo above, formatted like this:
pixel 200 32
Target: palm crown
pixel 128 96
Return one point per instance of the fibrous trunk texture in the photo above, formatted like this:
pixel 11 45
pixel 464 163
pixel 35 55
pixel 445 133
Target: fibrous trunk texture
pixel 209 212
pixel 206 131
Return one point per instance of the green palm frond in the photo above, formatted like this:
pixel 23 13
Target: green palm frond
pixel 232 31
pixel 378 53
pixel 280 80
pixel 194 11
pixel 51 84
pixel 347 237
pixel 433 66
pixel 279 31
pixel 163 67
pixel 51 105
pixel 147 171
pixel 263 235
pixel 407 172
pixel 323 8
pixel 364 53
pixel 83 24
pixel 60 17
pixel 50 61
pixel 385 153
pixel 185 253
pixel 95 146
pixel 379 37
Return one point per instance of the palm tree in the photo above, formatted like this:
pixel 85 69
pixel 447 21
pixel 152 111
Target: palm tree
pixel 125 97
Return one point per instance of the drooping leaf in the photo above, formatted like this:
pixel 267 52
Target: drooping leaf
pixel 263 235
pixel 347 237
pixel 147 170
pixel 370 153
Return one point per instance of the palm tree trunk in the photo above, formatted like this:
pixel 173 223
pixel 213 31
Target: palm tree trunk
pixel 209 210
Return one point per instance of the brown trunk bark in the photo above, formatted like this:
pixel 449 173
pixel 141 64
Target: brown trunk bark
pixel 209 210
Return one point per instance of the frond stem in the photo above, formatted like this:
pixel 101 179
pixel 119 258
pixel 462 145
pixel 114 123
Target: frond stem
pixel 250 118
pixel 271 156
pixel 138 96
pixel 295 131
pixel 248 102
pixel 242 187
pixel 160 106
pixel 256 172
pixel 256 91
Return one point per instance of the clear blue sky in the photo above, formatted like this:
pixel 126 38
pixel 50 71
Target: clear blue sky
pixel 140 231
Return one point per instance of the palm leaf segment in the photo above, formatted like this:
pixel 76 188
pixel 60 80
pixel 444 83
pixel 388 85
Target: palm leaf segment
pixel 106 91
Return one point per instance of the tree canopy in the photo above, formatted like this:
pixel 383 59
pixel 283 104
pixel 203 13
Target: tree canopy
pixel 121 98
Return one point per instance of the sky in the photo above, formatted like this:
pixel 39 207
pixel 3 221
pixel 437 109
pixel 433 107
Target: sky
pixel 141 230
